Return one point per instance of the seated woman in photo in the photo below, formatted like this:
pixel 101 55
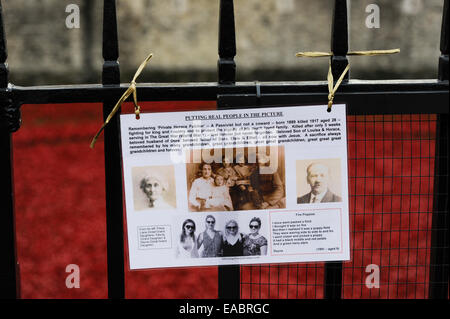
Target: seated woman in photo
pixel 233 240
pixel 220 199
pixel 255 244
pixel 187 246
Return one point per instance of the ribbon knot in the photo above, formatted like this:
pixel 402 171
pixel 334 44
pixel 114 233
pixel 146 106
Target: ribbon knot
pixel 131 90
pixel 332 88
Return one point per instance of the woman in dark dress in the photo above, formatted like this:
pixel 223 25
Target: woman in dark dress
pixel 233 240
pixel 255 244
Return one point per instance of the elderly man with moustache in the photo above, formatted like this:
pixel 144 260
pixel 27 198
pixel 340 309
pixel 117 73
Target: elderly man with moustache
pixel 317 178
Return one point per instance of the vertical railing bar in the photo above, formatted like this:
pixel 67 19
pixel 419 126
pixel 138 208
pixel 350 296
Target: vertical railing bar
pixel 88 18
pixel 229 275
pixel 9 270
pixel 227 43
pixel 111 73
pixel 339 61
pixel 4 73
pixel 439 255
pixel 113 168
pixel 339 39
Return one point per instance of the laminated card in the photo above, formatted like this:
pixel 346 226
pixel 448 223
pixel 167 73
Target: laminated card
pixel 247 186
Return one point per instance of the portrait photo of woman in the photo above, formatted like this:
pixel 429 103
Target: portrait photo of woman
pixel 154 188
pixel 209 242
pixel 233 240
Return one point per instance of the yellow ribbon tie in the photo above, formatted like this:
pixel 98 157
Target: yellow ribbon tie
pixel 131 90
pixel 332 89
pixel 317 54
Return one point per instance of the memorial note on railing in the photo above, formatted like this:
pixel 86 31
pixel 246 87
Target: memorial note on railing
pixel 247 186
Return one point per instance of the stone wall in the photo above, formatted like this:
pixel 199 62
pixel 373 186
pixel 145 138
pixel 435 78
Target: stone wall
pixel 182 34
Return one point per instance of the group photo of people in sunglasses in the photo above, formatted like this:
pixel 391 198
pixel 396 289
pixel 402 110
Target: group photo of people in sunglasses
pixel 230 241
pixel 236 182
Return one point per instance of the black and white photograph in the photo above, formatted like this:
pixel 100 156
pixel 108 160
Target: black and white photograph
pixel 233 239
pixel 186 246
pixel 220 235
pixel 210 240
pixel 242 179
pixel 255 243
pixel 154 188
pixel 318 181
pixel 246 235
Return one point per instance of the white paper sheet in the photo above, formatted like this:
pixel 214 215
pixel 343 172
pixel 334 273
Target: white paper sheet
pixel 291 186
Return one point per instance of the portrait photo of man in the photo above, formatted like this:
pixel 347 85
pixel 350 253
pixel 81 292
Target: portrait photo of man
pixel 319 182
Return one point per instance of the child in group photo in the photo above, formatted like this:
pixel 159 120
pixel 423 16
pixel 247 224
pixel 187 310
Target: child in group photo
pixel 220 196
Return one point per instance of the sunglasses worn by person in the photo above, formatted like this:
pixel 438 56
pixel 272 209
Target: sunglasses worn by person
pixel 231 227
pixel 210 222
pixel 254 226
pixel 189 227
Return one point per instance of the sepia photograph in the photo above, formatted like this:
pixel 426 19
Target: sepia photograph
pixel 236 179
